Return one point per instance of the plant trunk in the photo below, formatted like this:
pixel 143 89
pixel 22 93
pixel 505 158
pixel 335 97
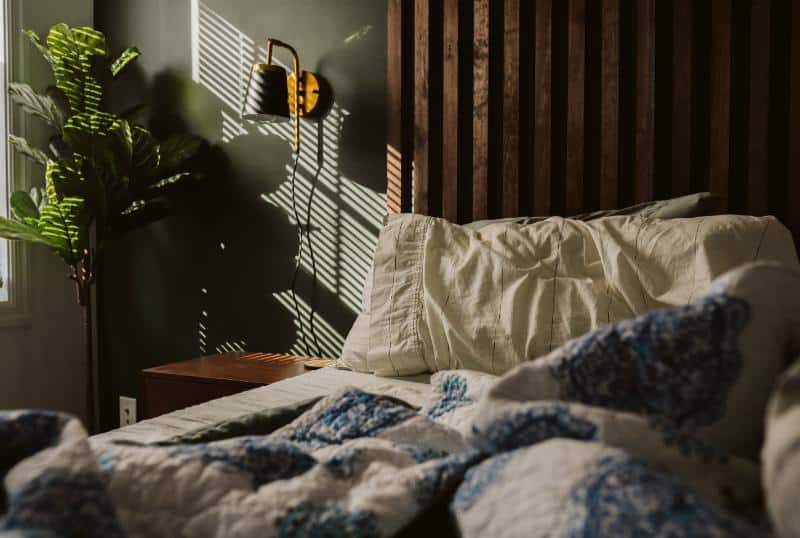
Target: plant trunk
pixel 89 342
pixel 84 289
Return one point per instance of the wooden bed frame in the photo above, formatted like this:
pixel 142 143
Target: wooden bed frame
pixel 555 107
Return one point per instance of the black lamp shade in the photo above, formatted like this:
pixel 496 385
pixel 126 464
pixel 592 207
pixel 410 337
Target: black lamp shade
pixel 267 97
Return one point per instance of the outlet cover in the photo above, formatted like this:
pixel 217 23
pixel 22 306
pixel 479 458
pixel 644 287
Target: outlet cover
pixel 127 410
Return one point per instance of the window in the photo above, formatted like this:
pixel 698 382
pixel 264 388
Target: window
pixel 5 184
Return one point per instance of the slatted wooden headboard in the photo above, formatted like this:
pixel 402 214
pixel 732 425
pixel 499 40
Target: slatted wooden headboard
pixel 509 107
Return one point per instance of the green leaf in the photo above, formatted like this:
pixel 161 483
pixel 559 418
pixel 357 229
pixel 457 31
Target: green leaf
pixel 37 42
pixel 87 134
pixel 146 154
pixel 24 207
pixel 177 148
pixel 129 55
pixel 19 231
pixel 22 146
pixel 171 180
pixel 122 136
pixel 39 197
pixel 74 51
pixel 40 106
pixel 64 221
pixel 65 180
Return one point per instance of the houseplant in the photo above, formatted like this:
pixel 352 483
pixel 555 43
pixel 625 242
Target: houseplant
pixel 103 174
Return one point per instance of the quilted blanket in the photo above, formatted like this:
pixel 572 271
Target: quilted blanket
pixel 639 429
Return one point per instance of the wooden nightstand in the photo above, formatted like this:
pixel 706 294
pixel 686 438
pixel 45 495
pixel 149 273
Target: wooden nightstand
pixel 181 384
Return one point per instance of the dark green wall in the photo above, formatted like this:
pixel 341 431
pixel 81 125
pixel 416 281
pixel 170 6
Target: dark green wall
pixel 216 275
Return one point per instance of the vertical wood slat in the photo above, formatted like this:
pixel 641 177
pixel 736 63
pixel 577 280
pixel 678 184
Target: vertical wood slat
pixel 394 106
pixel 681 97
pixel 720 102
pixel 480 122
pixel 421 107
pixel 757 171
pixel 645 99
pixel 511 43
pixel 576 82
pixel 793 179
pixel 542 85
pixel 450 120
pixel 609 103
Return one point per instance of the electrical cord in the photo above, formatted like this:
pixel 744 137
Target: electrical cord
pixel 299 258
pixel 313 264
pixel 304 232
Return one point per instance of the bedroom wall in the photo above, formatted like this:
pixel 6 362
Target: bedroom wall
pixel 216 276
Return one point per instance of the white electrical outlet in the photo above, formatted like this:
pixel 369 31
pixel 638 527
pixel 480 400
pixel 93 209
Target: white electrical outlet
pixel 127 410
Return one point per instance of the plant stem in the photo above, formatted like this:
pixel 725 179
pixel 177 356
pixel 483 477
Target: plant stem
pixel 89 347
pixel 83 276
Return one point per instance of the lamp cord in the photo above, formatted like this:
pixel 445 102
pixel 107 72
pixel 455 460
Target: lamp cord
pixel 313 264
pixel 304 231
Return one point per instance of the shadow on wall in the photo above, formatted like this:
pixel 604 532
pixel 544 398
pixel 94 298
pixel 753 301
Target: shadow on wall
pixel 346 215
pixel 216 276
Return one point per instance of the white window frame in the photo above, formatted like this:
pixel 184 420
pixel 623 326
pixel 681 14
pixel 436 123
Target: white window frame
pixel 15 311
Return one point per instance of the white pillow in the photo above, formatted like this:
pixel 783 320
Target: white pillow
pixel 445 296
pixel 354 350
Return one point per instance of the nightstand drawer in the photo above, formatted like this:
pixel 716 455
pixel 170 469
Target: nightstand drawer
pixel 182 384
pixel 166 394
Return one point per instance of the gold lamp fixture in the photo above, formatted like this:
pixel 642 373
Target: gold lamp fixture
pixel 274 96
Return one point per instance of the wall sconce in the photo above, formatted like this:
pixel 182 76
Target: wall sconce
pixel 273 96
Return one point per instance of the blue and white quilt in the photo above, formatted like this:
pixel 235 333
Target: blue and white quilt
pixel 628 431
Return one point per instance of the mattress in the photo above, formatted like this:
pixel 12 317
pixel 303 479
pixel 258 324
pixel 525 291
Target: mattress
pixel 414 390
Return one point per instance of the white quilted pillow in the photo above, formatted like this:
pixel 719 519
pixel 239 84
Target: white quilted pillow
pixel 445 296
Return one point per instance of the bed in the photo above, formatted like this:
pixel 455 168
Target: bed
pixel 642 413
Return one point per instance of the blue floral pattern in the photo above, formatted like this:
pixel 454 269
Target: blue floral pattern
pixel 64 502
pixel 623 496
pixel 23 434
pixel 421 455
pixel 326 520
pixel 263 459
pixel 442 477
pixel 676 364
pixel 453 395
pixel 533 424
pixel 354 414
pixel 342 465
pixel 478 480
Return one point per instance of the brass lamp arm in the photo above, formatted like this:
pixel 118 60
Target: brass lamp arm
pixel 297 104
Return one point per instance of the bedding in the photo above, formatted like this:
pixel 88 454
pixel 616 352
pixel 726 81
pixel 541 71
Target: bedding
pixel 501 457
pixel 284 394
pixel 781 454
pixel 446 297
pixel 356 346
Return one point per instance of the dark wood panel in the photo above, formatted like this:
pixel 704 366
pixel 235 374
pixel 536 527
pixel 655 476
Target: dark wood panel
pixel 793 183
pixel 480 99
pixel 609 103
pixel 720 101
pixel 645 99
pixel 394 107
pixel 576 82
pixel 681 96
pixel 542 87
pixel 757 171
pixel 511 124
pixel 450 110
pixel 422 149
pixel 551 106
